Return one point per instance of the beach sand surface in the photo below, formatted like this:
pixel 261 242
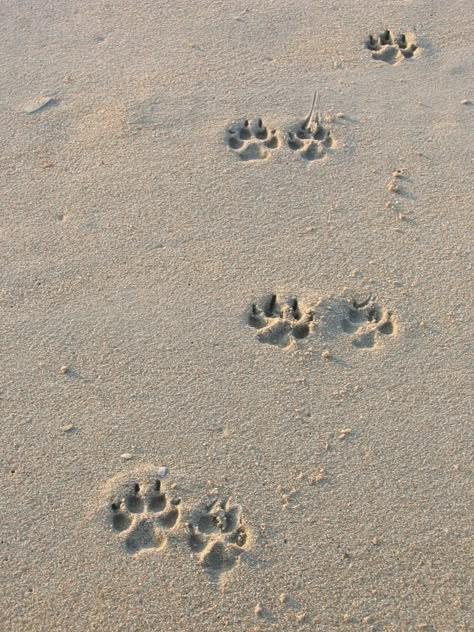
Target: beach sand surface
pixel 236 373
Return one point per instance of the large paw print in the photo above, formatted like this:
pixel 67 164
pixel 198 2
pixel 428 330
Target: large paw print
pixel 217 535
pixel 281 323
pixel 142 512
pixel 252 140
pixel 367 322
pixel 310 139
pixel 390 48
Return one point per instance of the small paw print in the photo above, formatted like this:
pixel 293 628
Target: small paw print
pixel 310 139
pixel 281 323
pixel 217 535
pixel 367 322
pixel 390 48
pixel 142 513
pixel 252 140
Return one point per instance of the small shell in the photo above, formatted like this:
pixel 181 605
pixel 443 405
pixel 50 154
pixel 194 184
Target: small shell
pixel 163 472
pixel 126 456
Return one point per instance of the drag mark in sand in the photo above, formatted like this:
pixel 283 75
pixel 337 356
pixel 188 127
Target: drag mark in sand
pixel 311 139
pixel 38 104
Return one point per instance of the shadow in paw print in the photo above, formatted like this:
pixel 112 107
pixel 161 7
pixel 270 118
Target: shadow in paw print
pixel 134 500
pixel 142 513
pixel 311 138
pixel 280 323
pixel 217 535
pixel 169 519
pixel 155 498
pixel 144 536
pixel 252 141
pixel 364 341
pixel 120 521
pixel 386 47
pixel 218 558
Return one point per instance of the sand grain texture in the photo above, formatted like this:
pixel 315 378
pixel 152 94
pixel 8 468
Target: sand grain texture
pixel 322 457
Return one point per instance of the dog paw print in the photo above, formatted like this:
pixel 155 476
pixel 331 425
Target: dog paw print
pixel 142 512
pixel 390 48
pixel 367 322
pixel 310 139
pixel 217 535
pixel 281 323
pixel 252 140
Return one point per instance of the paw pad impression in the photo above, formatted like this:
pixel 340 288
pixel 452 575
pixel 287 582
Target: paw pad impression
pixel 142 512
pixel 367 322
pixel 286 323
pixel 390 48
pixel 280 323
pixel 217 534
pixel 252 140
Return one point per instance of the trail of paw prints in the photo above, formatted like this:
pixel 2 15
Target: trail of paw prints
pixel 281 323
pixel 367 323
pixel 142 512
pixel 252 140
pixel 217 535
pixel 310 139
pixel 390 48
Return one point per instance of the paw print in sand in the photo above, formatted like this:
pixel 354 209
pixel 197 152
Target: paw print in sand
pixel 142 512
pixel 390 48
pixel 281 323
pixel 311 139
pixel 367 322
pixel 252 140
pixel 217 535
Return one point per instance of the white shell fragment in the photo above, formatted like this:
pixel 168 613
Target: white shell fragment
pixel 126 456
pixel 163 472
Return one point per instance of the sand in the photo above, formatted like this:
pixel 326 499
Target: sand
pixel 236 367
